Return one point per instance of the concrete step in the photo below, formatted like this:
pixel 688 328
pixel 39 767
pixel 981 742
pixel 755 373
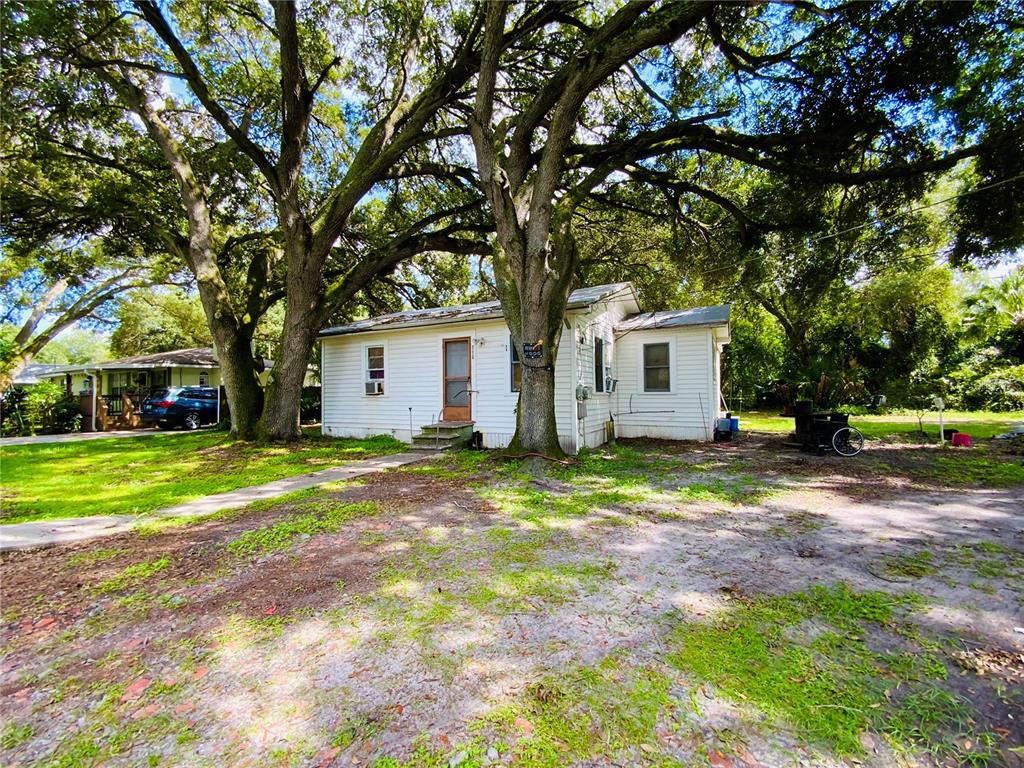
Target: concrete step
pixel 448 429
pixel 439 441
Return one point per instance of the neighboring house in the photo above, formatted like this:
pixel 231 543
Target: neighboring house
pixel 618 372
pixel 124 383
pixel 139 374
pixel 33 373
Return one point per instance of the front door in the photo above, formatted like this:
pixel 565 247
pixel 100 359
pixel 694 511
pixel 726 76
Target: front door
pixel 457 380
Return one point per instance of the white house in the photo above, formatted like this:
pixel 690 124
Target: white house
pixel 618 371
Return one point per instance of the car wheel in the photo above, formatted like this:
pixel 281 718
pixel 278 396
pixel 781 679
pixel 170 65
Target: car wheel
pixel 191 420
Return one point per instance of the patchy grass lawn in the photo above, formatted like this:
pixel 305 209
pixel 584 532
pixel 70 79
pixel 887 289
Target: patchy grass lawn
pixel 978 424
pixel 140 474
pixel 655 604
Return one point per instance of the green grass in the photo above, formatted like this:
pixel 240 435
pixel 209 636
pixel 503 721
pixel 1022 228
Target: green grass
pixel 134 574
pixel 14 735
pixel 453 465
pixel 978 424
pixel 803 659
pixel 990 560
pixel 745 491
pixel 141 474
pixel 576 716
pixel 587 713
pixel 964 468
pixel 92 557
pixel 323 517
pixel 910 566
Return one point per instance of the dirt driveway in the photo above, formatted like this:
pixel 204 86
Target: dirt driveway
pixel 657 605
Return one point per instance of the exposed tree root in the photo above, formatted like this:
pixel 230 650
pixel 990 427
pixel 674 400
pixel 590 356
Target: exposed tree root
pixel 563 462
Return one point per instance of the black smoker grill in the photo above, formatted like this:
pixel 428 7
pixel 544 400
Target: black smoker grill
pixel 821 431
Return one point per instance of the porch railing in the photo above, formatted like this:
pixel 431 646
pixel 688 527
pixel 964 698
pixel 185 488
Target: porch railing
pixel 116 403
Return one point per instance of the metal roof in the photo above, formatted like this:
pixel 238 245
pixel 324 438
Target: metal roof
pixel 199 357
pixel 33 373
pixel 676 318
pixel 412 318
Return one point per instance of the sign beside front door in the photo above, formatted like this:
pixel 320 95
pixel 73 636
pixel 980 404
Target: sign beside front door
pixel 457 382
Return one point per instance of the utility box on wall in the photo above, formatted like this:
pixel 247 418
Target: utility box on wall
pixel 581 409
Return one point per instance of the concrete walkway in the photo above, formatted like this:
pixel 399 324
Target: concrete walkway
pixel 48 533
pixel 77 437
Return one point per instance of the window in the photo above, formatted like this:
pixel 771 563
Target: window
pixel 599 365
pixel 117 383
pixel 516 366
pixel 204 378
pixel 375 370
pixel 656 368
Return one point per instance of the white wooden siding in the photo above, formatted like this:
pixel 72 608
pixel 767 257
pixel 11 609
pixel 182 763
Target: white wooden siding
pixel 413 380
pixel 413 371
pixel 688 410
pixel 598 323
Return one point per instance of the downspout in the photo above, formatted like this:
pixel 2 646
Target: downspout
pixel 573 418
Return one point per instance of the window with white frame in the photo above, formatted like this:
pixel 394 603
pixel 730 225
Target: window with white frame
pixel 375 370
pixel 599 364
pixel 657 375
pixel 516 367
pixel 204 378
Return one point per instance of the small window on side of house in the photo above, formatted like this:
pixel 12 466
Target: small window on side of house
pixel 516 367
pixel 599 365
pixel 204 378
pixel 657 377
pixel 375 370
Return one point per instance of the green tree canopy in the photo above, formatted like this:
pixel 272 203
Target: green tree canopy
pixel 159 321
pixel 814 98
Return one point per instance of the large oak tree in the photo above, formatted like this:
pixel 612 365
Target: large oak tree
pixel 307 112
pixel 649 93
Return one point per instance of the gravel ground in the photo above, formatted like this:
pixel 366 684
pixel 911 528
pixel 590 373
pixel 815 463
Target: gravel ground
pixel 402 633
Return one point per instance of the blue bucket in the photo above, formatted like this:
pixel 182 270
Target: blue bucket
pixel 734 425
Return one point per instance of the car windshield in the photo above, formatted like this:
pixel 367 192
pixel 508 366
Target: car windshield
pixel 158 394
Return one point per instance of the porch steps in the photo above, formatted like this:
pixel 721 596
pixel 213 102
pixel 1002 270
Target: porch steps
pixel 443 435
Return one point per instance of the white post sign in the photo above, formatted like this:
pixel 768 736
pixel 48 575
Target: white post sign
pixel 940 405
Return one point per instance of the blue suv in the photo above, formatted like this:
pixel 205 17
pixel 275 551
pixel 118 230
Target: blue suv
pixel 188 407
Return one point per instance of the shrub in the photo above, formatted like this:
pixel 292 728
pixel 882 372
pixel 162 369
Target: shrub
pixel 48 408
pixel 1000 389
pixel 12 412
pixel 309 405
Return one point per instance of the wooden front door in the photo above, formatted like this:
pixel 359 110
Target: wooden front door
pixel 457 380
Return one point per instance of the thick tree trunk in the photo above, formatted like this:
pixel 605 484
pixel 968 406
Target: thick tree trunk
pixel 534 302
pixel 305 296
pixel 282 410
pixel 232 339
pixel 536 430
pixel 240 379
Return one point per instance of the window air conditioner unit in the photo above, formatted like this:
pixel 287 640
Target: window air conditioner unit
pixel 375 387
